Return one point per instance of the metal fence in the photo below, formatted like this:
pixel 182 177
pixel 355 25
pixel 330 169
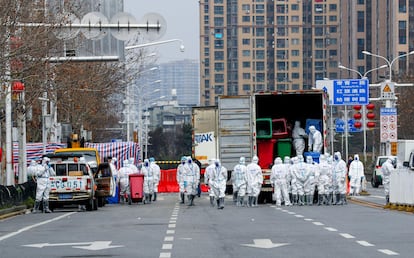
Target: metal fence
pixel 17 195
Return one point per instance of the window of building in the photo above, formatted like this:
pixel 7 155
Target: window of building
pixel 260 43
pixel 246 30
pixel 245 18
pixel 319 8
pixel 294 29
pixel 246 87
pixel 246 42
pixel 260 20
pixel 295 86
pixel 402 6
pixel 294 18
pixel 281 54
pixel 219 55
pixel 360 48
pixel 333 29
pixel 295 64
pixel 281 43
pixel 206 51
pixel 218 10
pixel 218 21
pixel 246 8
pixel 361 21
pixel 295 52
pixel 260 87
pixel 318 19
pixel 319 54
pixel 260 8
pixel 318 31
pixel 281 20
pixel 319 43
pixel 218 43
pixel 332 7
pixel 281 66
pixel 206 84
pixel 260 54
pixel 206 19
pixel 319 66
pixel 246 64
pixel 219 78
pixel 280 8
pixel 246 53
pixel 246 76
pixel 295 42
pixel 207 62
pixel 218 1
pixel 281 31
pixel 332 53
pixel 294 7
pixel 260 32
pixel 295 76
pixel 206 72
pixel 218 67
pixel 333 18
pixel 271 87
pixel 218 89
pixel 281 86
pixel 361 1
pixel 206 8
pixel 402 32
pixel 260 66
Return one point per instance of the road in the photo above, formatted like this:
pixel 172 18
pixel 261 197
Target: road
pixel 169 229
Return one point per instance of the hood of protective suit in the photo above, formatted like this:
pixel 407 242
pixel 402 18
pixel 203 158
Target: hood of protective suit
pixel 242 161
pixel 278 160
pixel 286 160
pixel 255 160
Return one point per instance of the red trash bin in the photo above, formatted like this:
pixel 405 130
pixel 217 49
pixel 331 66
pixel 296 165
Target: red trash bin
pixel 265 149
pixel 136 185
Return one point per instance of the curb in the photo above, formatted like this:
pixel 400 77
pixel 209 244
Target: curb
pixel 13 211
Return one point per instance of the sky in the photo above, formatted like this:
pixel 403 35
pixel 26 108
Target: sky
pixel 182 19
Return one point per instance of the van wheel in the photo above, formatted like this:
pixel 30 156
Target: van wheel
pixel 373 183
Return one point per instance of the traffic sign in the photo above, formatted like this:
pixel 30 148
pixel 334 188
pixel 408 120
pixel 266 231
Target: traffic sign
pixel 388 124
pixel 350 92
pixel 387 91
pixel 340 126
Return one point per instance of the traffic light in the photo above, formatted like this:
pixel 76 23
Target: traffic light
pixel 357 116
pixel 370 115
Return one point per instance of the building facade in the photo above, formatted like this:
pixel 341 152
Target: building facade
pixel 265 45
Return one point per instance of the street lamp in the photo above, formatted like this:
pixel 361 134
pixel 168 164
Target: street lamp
pixel 388 103
pixel 157 43
pixel 364 76
pixel 146 123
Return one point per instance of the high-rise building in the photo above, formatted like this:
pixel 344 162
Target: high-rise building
pixel 265 45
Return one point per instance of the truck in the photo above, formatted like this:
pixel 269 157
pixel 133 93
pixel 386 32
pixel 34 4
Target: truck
pixel 260 124
pixel 405 153
pixel 204 147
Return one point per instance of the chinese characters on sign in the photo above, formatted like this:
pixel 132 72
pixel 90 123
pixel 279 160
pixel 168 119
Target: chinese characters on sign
pixel 388 124
pixel 387 90
pixel 350 92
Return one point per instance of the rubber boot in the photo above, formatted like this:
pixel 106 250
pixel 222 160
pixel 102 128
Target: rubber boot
pixel 387 202
pixel 330 198
pixel 338 199
pixel 250 203
pixel 300 202
pixel 320 199
pixel 238 201
pixel 36 208
pixel 309 199
pixel 46 207
pixel 149 198
pixel 235 194
pixel 242 201
pixel 182 198
pixel 295 199
pixel 218 203
pixel 212 201
pixel 254 201
pixel 221 203
pixel 155 197
pixel 291 198
pixel 191 200
pixel 344 201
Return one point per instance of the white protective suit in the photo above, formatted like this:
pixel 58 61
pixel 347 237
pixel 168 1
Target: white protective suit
pixel 218 183
pixel 180 178
pixel 339 179
pixel 315 140
pixel 32 169
pixel 356 174
pixel 254 181
pixel 191 179
pixel 387 168
pixel 123 175
pixel 43 185
pixel 301 173
pixel 148 172
pixel 208 174
pixel 279 179
pixel 324 181
pixel 298 134
pixel 114 175
pixel 157 176
pixel 293 180
pixel 131 165
pixel 239 181
pixel 310 184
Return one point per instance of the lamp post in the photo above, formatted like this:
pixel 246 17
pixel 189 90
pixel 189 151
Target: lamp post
pixel 146 123
pixel 388 103
pixel 157 43
pixel 364 110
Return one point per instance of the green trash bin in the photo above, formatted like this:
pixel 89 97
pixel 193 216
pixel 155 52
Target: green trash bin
pixel 284 147
pixel 264 128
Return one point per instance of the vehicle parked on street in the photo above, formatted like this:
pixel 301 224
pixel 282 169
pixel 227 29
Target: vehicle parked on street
pixel 376 179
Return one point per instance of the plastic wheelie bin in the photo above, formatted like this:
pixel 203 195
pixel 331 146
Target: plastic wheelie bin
pixel 136 184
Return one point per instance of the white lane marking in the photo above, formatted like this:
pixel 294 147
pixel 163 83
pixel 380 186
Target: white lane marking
pixel 35 225
pixel 317 223
pixel 331 229
pixel 389 252
pixel 167 246
pixel 170 231
pixel 291 213
pixel 165 255
pixel 299 216
pixel 346 235
pixel 171 225
pixel 168 238
pixel 364 243
pixel 308 219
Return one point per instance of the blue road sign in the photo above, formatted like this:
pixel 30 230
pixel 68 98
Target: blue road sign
pixel 340 126
pixel 350 92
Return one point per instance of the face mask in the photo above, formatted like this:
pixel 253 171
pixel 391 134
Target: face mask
pixel 146 164
pixel 183 162
pixel 189 162
pixel 217 164
pixel 336 158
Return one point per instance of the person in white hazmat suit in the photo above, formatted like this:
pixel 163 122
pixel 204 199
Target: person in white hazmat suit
pixel 31 169
pixel 324 181
pixel 356 175
pixel 42 174
pixel 339 171
pixel 387 168
pixel 254 181
pixel 208 174
pixel 310 184
pixel 218 183
pixel 180 179
pixel 148 173
pixel 157 176
pixel 123 175
pixel 315 140
pixel 293 183
pixel 114 171
pixel 278 180
pixel 131 165
pixel 301 173
pixel 239 181
pixel 298 134
pixel 191 180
